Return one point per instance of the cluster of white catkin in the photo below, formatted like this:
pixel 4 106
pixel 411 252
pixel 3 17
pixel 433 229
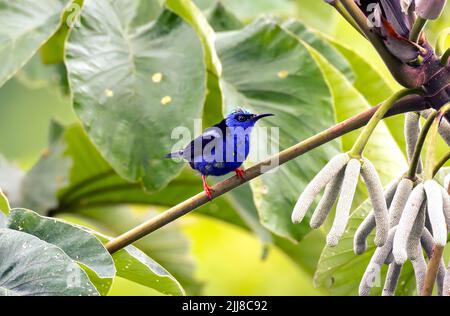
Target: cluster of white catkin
pixel 419 220
pixel 339 179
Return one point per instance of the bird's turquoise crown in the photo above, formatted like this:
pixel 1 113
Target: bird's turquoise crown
pixel 240 110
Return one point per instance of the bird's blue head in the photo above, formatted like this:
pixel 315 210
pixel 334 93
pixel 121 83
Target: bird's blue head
pixel 243 118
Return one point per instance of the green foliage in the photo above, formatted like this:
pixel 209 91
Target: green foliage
pixel 26 25
pixel 137 69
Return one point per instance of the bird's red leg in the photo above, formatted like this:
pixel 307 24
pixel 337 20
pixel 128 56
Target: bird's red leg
pixel 240 173
pixel 207 188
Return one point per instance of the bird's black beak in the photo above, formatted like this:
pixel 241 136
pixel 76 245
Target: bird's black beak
pixel 260 116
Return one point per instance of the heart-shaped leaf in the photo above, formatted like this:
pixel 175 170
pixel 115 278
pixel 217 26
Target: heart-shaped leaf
pixel 133 82
pixel 30 266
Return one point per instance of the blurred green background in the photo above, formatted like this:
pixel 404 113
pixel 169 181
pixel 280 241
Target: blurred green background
pixel 228 259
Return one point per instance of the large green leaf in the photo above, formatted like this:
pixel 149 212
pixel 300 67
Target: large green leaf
pixel 266 69
pixel 328 51
pixel 79 244
pixel 133 82
pixel 26 25
pixel 30 266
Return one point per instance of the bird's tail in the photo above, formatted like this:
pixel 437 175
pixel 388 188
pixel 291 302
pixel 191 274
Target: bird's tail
pixel 176 154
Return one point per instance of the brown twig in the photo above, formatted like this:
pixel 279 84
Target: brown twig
pixel 407 104
pixel 432 270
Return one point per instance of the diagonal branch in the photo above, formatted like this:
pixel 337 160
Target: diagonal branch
pixel 407 104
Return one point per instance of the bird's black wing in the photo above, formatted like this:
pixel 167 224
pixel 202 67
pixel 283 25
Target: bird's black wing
pixel 195 148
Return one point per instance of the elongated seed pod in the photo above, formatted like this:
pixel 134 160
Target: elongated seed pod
pixel 420 268
pixel 345 202
pixel 406 223
pixel 332 168
pixel 412 131
pixel 380 211
pixel 416 233
pixel 428 245
pixel 398 204
pixel 446 286
pixel 446 204
pixel 372 274
pixel 326 203
pixel 368 224
pixel 435 208
pixel 392 276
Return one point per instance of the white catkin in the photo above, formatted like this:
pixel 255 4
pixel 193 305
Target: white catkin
pixel 446 202
pixel 420 268
pixel 375 188
pixel 392 276
pixel 447 183
pixel 416 233
pixel 435 209
pixel 446 287
pixel 398 204
pixel 428 245
pixel 412 131
pixel 327 201
pixel 444 127
pixel 345 202
pixel 332 168
pixel 372 274
pixel 368 224
pixel 406 223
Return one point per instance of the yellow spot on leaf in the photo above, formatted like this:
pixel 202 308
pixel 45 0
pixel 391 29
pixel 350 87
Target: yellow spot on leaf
pixel 282 74
pixel 109 93
pixel 166 100
pixel 157 77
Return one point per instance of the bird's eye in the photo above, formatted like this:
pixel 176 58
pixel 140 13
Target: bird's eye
pixel 241 118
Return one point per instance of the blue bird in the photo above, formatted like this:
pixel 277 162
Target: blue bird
pixel 221 148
